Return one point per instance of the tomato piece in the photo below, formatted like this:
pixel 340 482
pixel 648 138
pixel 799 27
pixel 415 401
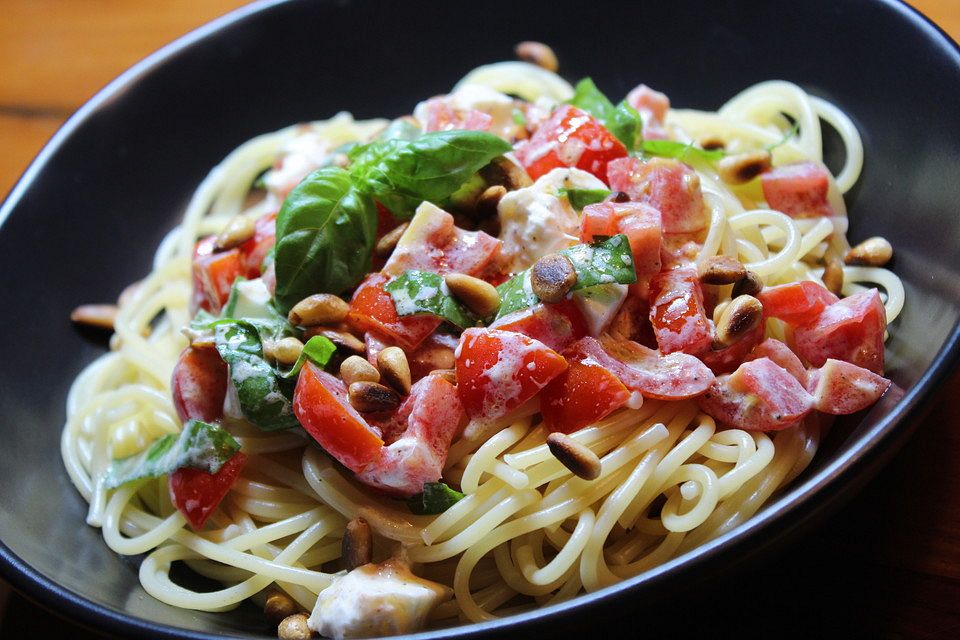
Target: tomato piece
pixel 443 117
pixel 497 371
pixel 641 224
pixel 782 355
pixel 372 309
pixel 677 312
pixel 555 325
pixel 667 185
pixel 597 220
pixel 759 396
pixel 652 105
pixel 798 190
pixel 850 330
pixel 213 275
pixel 570 138
pixel 436 352
pixel 255 249
pixel 727 359
pixel 197 493
pixel 199 384
pixel 580 396
pixel 321 405
pixel 677 376
pixel 433 243
pixel 840 388
pixel 795 303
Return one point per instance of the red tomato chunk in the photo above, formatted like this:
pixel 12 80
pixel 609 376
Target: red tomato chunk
pixel 795 303
pixel 799 190
pixel 580 396
pixel 372 309
pixel 840 388
pixel 640 223
pixel 197 493
pixel 555 325
pixel 850 330
pixel 667 185
pixel 677 313
pixel 199 384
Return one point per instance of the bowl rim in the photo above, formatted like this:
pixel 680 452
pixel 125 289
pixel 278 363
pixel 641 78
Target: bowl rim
pixel 868 454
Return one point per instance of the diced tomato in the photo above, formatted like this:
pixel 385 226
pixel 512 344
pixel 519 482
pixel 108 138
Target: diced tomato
pixel 498 371
pixel 372 309
pixel 570 138
pixel 641 224
pixel 433 243
pixel 580 396
pixel 798 190
pixel 256 248
pixel 667 185
pixel 442 117
pixel 677 376
pixel 795 303
pixel 597 220
pixel 213 274
pixel 677 312
pixel 840 388
pixel 321 405
pixel 850 330
pixel 432 414
pixel 782 355
pixel 436 352
pixel 758 396
pixel 727 359
pixel 199 384
pixel 197 493
pixel 555 325
pixel 651 104
pixel 632 322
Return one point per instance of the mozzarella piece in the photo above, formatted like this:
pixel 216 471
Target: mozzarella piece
pixel 252 301
pixel 599 305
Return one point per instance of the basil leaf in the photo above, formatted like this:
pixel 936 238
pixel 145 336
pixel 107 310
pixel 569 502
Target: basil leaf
pixel 326 230
pixel 317 350
pixel 519 118
pixel 401 174
pixel 199 445
pixel 680 150
pixel 588 97
pixel 416 291
pixel 622 120
pixel 606 261
pixel 794 130
pixel 265 399
pixel 400 129
pixel 579 198
pixel 437 497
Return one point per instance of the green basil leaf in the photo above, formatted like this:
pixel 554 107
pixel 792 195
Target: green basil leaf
pixel 318 350
pixel 437 497
pixel 416 291
pixel 519 118
pixel 579 198
pixel 516 294
pixel 588 97
pixel 623 121
pixel 680 150
pixel 326 230
pixel 265 399
pixel 199 445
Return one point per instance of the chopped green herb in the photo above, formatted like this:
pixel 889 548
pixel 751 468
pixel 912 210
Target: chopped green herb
pixel 579 198
pixel 794 131
pixel 622 120
pixel 416 291
pixel 436 498
pixel 519 118
pixel 680 150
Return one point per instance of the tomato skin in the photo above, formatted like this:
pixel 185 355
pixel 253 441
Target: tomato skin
pixel 199 384
pixel 677 312
pixel 580 396
pixel 727 360
pixel 850 330
pixel 442 117
pixel 197 493
pixel 555 325
pixel 372 309
pixel 798 190
pixel 643 226
pixel 321 405
pixel 570 138
pixel 213 274
pixel 795 303
pixel 521 367
pixel 667 185
pixel 840 388
pixel 255 249
pixel 781 355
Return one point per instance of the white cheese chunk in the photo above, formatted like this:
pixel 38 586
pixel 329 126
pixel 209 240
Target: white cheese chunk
pixel 252 301
pixel 599 305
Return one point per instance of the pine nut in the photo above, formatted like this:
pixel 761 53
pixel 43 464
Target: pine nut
pixel 751 285
pixel 722 270
pixel 343 341
pixel 357 545
pixel 284 351
pixel 741 316
pixel 489 200
pixel 537 53
pixel 507 173
pixel 388 242
pixel 833 276
pixel 579 459
pixel 394 368
pixel 101 316
pixel 450 375
pixel 279 606
pixel 872 252
pixel 357 369
pixel 552 277
pixel 744 167
pixel 480 297
pixel 318 309
pixel 621 197
pixel 712 143
pixel 240 229
pixel 294 628
pixel 369 397
pixel 718 310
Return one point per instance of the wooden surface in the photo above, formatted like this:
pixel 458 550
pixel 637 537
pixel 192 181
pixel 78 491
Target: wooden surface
pixel 899 542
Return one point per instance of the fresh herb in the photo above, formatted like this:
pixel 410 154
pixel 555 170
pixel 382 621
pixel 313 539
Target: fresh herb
pixel 794 131
pixel 317 350
pixel 621 120
pixel 519 118
pixel 580 198
pixel 416 291
pixel 200 446
pixel 680 150
pixel 606 261
pixel 436 498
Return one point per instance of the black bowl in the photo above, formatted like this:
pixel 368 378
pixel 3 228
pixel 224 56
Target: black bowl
pixel 86 217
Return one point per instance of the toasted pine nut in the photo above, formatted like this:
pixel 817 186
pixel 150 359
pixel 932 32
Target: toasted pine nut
pixel 833 276
pixel 450 375
pixel 537 53
pixel 718 310
pixel 320 308
pixel 487 202
pixel 507 173
pixel 357 544
pixel 621 196
pixel 751 285
pixel 343 341
pixel 279 606
pixel 388 242
pixel 579 459
pixel 294 628
pixel 872 252
pixel 552 277
pixel 370 396
pixel 480 296
pixel 101 316
pixel 285 351
pixel 741 316
pixel 722 270
pixel 240 229
pixel 711 143
pixel 358 369
pixel 394 368
pixel 744 167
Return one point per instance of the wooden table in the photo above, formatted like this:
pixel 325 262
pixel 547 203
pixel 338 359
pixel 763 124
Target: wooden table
pixel 900 539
